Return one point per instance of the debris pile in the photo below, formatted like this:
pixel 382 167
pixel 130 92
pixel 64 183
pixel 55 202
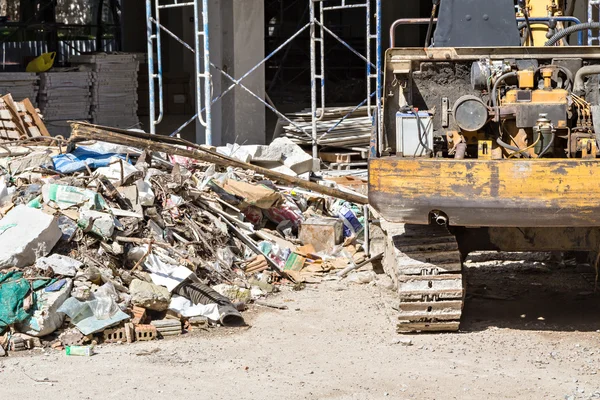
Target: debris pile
pixel 114 91
pixel 118 236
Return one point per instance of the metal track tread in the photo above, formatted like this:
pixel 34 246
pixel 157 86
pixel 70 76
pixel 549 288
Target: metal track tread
pixel 426 264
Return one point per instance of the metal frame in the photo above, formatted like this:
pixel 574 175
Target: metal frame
pixel 201 51
pixel 425 21
pixel 205 100
pixel 591 37
pixel 317 70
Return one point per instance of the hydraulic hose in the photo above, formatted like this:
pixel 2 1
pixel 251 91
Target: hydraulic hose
pixel 548 145
pixel 506 145
pixel 572 29
pixel 430 26
pixel 500 79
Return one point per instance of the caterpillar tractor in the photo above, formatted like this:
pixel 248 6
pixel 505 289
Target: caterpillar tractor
pixel 489 141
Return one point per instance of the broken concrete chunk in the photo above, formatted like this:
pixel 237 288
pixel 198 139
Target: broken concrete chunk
pixel 102 224
pixel 61 265
pixel 149 295
pixel 233 293
pixel 244 153
pixel 290 154
pixel 26 234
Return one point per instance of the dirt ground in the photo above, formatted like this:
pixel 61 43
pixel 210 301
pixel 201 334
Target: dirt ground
pixel 529 331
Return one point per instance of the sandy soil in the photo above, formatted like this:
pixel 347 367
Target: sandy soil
pixel 530 331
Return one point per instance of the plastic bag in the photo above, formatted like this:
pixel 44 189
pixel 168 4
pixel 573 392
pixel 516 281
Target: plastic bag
pixel 104 302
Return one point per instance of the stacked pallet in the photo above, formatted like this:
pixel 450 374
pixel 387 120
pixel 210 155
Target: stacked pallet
pixel 114 89
pixel 19 120
pixel 65 95
pixel 21 85
pixel 352 131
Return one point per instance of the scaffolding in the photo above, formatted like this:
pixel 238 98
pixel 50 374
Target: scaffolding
pixel 318 30
pixel 201 52
pixel 593 16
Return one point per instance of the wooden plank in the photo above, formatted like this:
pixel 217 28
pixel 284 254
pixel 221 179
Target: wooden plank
pixel 36 118
pixel 12 107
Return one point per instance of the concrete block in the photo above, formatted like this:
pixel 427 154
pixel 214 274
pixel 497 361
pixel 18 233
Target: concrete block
pixel 149 295
pixel 25 235
pixel 288 153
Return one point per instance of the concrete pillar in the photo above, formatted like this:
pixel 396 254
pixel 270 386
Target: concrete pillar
pixel 243 38
pixel 237 45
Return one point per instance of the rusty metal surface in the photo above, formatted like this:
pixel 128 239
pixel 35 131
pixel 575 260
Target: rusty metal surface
pixel 491 193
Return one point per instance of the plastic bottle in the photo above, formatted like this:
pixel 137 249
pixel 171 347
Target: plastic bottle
pixel 85 351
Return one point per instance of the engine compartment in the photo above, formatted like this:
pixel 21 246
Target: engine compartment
pixel 445 104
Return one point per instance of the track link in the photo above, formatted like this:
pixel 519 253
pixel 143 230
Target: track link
pixel 425 264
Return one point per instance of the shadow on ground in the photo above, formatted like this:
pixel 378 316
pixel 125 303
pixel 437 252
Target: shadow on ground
pixel 529 292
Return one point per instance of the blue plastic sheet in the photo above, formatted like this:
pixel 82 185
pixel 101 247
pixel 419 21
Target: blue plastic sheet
pixel 80 157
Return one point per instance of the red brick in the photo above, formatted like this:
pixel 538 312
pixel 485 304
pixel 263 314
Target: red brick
pixel 145 332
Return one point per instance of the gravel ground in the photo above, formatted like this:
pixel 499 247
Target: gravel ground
pixel 529 330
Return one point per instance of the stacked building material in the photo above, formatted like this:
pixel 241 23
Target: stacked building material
pixel 354 130
pixel 114 90
pixel 21 85
pixel 65 95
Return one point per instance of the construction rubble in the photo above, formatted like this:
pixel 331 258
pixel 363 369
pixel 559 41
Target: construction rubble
pixel 116 236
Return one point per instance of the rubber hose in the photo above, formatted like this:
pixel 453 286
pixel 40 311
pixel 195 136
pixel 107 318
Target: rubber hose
pixel 502 78
pixel 506 145
pixel 572 29
pixel 523 25
pixel 548 146
pixel 200 293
